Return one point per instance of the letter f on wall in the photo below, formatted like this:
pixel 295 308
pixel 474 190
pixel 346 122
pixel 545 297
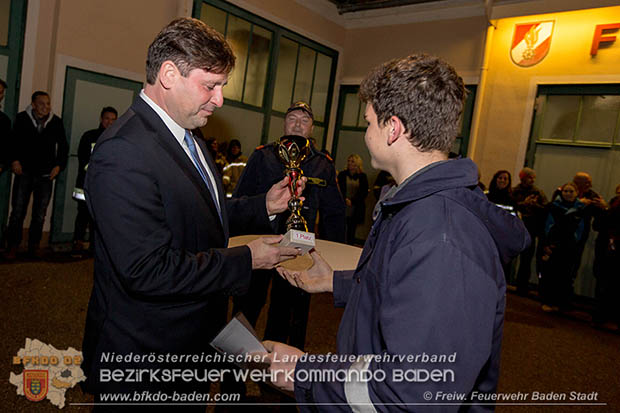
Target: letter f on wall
pixel 599 38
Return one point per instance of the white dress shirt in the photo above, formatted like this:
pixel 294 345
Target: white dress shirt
pixel 179 134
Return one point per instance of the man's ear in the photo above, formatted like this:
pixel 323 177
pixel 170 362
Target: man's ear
pixel 396 129
pixel 168 74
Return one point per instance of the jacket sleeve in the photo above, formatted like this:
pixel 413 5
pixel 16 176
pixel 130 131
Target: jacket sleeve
pixel 126 204
pixel 62 151
pixel 248 215
pixel 427 306
pixel 248 184
pixel 332 209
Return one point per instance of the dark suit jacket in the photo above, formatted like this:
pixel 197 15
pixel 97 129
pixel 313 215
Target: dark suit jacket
pixel 160 248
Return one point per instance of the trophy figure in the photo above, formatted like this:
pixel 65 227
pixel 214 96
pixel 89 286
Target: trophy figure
pixel 292 150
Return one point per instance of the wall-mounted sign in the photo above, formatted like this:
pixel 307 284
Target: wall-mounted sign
pixel 599 36
pixel 531 42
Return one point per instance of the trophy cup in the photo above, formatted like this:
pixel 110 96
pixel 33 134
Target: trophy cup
pixel 292 150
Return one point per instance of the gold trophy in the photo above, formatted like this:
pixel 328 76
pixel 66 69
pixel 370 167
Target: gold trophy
pixel 292 150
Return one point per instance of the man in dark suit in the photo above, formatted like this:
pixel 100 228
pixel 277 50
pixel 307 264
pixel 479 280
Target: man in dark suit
pixel 162 222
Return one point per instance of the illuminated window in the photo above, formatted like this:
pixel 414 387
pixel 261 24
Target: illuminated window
pixel 581 115
pixel 275 67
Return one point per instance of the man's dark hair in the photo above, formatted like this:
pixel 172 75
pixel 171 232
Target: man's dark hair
pixel 424 92
pixel 3 84
pixel 108 109
pixel 39 93
pixel 190 44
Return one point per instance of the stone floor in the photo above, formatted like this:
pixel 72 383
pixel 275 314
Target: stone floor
pixel 541 352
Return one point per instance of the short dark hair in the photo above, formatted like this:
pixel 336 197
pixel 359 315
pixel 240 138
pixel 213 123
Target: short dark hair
pixel 39 93
pixel 3 84
pixel 424 92
pixel 190 44
pixel 108 109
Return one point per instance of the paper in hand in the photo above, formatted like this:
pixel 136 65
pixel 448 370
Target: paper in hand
pixel 239 338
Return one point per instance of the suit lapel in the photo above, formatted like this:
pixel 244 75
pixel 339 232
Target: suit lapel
pixel 171 147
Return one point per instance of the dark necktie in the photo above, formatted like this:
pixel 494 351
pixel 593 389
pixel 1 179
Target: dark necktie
pixel 201 169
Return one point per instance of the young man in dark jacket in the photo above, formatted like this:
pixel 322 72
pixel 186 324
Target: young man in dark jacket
pixel 424 309
pixel 39 153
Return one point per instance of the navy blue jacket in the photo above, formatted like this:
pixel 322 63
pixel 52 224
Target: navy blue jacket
pixel 429 281
pixel 321 196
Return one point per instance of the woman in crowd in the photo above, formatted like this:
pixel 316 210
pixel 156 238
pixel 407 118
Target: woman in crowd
pixel 235 162
pixel 500 193
pixel 563 231
pixel 353 184
pixel 500 190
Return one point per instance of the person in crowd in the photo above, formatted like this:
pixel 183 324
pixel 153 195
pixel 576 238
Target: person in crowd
pixel 595 207
pixel 607 266
pixel 288 310
pixel 287 316
pixel 563 231
pixel 429 280
pixel 384 180
pixel 218 157
pixel 163 272
pixel 500 189
pixel 5 132
pixel 235 162
pixel 353 184
pixel 83 220
pixel 39 154
pixel 500 193
pixel 531 203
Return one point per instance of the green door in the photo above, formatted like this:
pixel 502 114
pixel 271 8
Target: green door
pixel 85 94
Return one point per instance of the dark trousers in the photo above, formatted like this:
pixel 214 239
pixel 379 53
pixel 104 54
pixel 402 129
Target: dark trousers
pixel 351 227
pixel 556 283
pixel 83 221
pixel 288 310
pixel 24 186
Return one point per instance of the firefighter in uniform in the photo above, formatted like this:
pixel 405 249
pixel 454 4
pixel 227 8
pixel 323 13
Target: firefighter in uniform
pixel 288 309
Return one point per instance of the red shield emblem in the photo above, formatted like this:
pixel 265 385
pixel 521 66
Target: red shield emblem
pixel 531 42
pixel 35 384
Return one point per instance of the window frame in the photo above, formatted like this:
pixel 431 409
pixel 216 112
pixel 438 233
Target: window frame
pixel 594 89
pixel 277 33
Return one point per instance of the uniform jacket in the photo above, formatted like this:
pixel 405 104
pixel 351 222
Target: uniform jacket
pixel 160 247
pixel 429 281
pixel 39 153
pixel 323 197
pixel 84 150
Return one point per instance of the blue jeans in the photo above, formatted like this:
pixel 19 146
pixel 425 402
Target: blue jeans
pixel 25 185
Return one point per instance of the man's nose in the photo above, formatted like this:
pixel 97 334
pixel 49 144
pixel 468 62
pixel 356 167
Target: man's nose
pixel 218 97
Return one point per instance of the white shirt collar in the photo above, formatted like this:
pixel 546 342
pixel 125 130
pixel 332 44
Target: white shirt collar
pixel 177 131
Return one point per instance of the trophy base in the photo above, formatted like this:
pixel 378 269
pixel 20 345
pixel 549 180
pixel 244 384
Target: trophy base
pixel 298 239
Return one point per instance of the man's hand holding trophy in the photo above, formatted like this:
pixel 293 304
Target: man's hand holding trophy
pixel 292 150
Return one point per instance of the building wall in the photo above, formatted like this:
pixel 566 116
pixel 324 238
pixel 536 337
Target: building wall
pixel 509 96
pixel 458 41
